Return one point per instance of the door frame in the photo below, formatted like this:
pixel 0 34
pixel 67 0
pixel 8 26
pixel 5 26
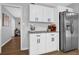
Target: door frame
pixel 15 6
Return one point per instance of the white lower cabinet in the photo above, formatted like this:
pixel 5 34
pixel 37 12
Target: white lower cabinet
pixel 37 45
pixel 33 47
pixel 42 43
pixel 51 42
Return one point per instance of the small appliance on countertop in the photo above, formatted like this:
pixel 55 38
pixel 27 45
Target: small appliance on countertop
pixel 32 27
pixel 51 28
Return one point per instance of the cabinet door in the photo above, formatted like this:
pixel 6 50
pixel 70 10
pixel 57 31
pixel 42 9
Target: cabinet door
pixel 37 44
pixel 45 14
pixel 51 42
pixel 52 15
pixel 48 14
pixel 34 44
pixel 42 46
pixel 35 13
pixel 57 40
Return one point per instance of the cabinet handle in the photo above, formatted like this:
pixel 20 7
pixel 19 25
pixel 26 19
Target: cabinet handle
pixel 49 19
pixel 38 40
pixel 52 39
pixel 38 35
pixel 52 34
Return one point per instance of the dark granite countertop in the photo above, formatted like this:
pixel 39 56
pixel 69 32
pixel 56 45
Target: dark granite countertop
pixel 41 32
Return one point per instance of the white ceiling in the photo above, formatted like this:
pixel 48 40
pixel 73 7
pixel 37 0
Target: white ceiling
pixel 48 4
pixel 56 4
pixel 17 11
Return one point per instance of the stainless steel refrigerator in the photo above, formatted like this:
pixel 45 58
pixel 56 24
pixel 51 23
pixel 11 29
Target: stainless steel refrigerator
pixel 68 31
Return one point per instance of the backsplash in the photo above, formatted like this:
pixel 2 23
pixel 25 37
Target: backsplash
pixel 38 26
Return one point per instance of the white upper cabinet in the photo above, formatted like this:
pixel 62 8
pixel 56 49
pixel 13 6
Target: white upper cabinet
pixel 37 43
pixel 35 13
pixel 41 13
pixel 48 14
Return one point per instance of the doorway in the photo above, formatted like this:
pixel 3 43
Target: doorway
pixel 11 29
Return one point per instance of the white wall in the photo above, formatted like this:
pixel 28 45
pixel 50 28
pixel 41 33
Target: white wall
pixel 6 31
pixel 16 23
pixel 13 26
pixel 6 34
pixel 24 28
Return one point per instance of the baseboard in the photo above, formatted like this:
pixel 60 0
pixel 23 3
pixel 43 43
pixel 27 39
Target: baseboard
pixel 24 48
pixel 6 42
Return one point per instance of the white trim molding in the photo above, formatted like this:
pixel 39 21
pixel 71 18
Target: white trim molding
pixel 24 48
pixel 6 42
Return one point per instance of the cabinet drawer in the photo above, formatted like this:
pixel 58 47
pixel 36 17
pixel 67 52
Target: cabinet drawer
pixel 51 34
pixel 38 35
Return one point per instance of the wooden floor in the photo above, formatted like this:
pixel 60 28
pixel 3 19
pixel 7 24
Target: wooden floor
pixel 73 52
pixel 13 48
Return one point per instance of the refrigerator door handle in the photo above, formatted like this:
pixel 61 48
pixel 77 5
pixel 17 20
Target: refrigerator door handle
pixel 72 29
